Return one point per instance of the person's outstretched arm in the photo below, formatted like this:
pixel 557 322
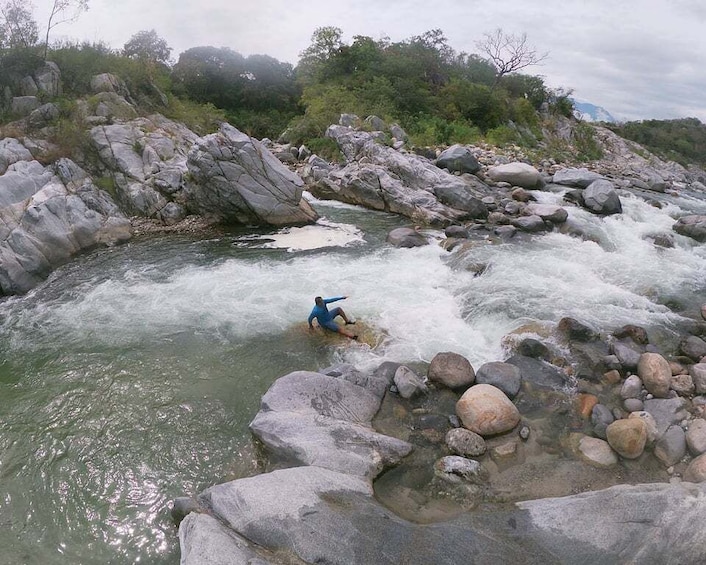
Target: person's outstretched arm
pixel 334 299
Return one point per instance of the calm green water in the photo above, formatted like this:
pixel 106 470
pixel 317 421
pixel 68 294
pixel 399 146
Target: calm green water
pixel 130 377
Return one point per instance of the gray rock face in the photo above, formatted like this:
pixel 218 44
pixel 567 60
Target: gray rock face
pixel 458 158
pixel 531 224
pixel 383 178
pixel 48 79
pixel 671 447
pixel 12 151
pixel 540 373
pixel 408 383
pixel 43 116
pixel 24 105
pixel 601 198
pixel 238 180
pixel 47 216
pixel 693 226
pixel 694 347
pixel 308 418
pixel 548 212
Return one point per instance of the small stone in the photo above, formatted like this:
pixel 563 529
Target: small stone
pixel 465 443
pixel 524 432
pixel 627 437
pixel 611 377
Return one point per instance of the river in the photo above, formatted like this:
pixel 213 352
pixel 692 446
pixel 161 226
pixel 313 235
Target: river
pixel 130 376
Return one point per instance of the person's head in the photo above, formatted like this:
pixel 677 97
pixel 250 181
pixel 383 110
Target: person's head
pixel 319 301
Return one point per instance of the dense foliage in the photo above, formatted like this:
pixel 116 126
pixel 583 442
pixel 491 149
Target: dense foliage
pixel 683 141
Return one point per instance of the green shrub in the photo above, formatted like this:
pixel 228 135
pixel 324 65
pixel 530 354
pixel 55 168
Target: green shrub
pixel 200 118
pixel 326 148
pixel 432 130
pixel 587 148
pixel 503 135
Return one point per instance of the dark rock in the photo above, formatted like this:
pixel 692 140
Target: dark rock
pixel 458 158
pixel 636 333
pixel 406 237
pixel 504 376
pixel 693 347
pixel 576 331
pixel 539 373
pixel 530 347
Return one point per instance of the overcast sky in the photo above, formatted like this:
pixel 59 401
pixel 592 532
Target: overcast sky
pixel 638 59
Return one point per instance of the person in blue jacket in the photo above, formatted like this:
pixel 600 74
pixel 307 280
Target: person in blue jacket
pixel 325 317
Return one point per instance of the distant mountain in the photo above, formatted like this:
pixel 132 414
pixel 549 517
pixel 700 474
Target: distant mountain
pixel 592 113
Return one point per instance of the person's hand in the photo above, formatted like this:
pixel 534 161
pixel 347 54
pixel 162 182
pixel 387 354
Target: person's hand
pixel 311 327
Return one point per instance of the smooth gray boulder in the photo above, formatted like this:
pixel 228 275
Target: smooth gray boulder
pixel 505 376
pixel 237 180
pixel 548 212
pixel 517 174
pixel 48 215
pixel 600 197
pixel 309 418
pixel 576 177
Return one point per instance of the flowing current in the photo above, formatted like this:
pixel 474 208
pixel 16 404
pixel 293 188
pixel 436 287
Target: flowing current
pixel 130 376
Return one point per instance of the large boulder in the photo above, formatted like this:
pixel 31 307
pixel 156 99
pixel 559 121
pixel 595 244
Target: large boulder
pixel 458 158
pixel 600 197
pixel 517 174
pixel 451 370
pixel 236 179
pixel 487 411
pixel 305 417
pixel 12 151
pixel 48 215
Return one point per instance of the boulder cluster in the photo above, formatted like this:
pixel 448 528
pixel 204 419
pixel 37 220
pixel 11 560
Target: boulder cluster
pixel 324 448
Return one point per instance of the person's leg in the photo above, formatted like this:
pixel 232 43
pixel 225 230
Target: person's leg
pixel 338 311
pixel 345 333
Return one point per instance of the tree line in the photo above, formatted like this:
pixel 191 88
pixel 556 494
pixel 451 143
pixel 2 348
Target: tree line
pixel 438 95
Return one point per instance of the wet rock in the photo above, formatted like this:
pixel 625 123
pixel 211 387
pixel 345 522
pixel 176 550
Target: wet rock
pixel 183 506
pixel 653 434
pixel 611 377
pixel 538 372
pixel 600 197
pixel 521 195
pixel 457 232
pixel 693 347
pixel 627 437
pixel 601 418
pixel 632 387
pixel 576 331
pixel 696 471
pixel 408 383
pixel 406 237
pixel 655 373
pixel 628 355
pixel 505 232
pixel 457 469
pixel 486 410
pixel 548 212
pixel 671 447
pixel 524 432
pixel 696 436
pixel 585 403
pixel 636 333
pixel 530 224
pixel 666 411
pixel 451 370
pixel 504 376
pixel 465 443
pixel 530 347
pixel 596 452
pixel 693 226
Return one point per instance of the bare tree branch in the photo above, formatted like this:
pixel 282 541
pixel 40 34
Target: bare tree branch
pixel 508 53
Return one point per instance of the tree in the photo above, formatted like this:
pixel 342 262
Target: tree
pixel 325 43
pixel 508 53
pixel 17 26
pixel 63 11
pixel 147 46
